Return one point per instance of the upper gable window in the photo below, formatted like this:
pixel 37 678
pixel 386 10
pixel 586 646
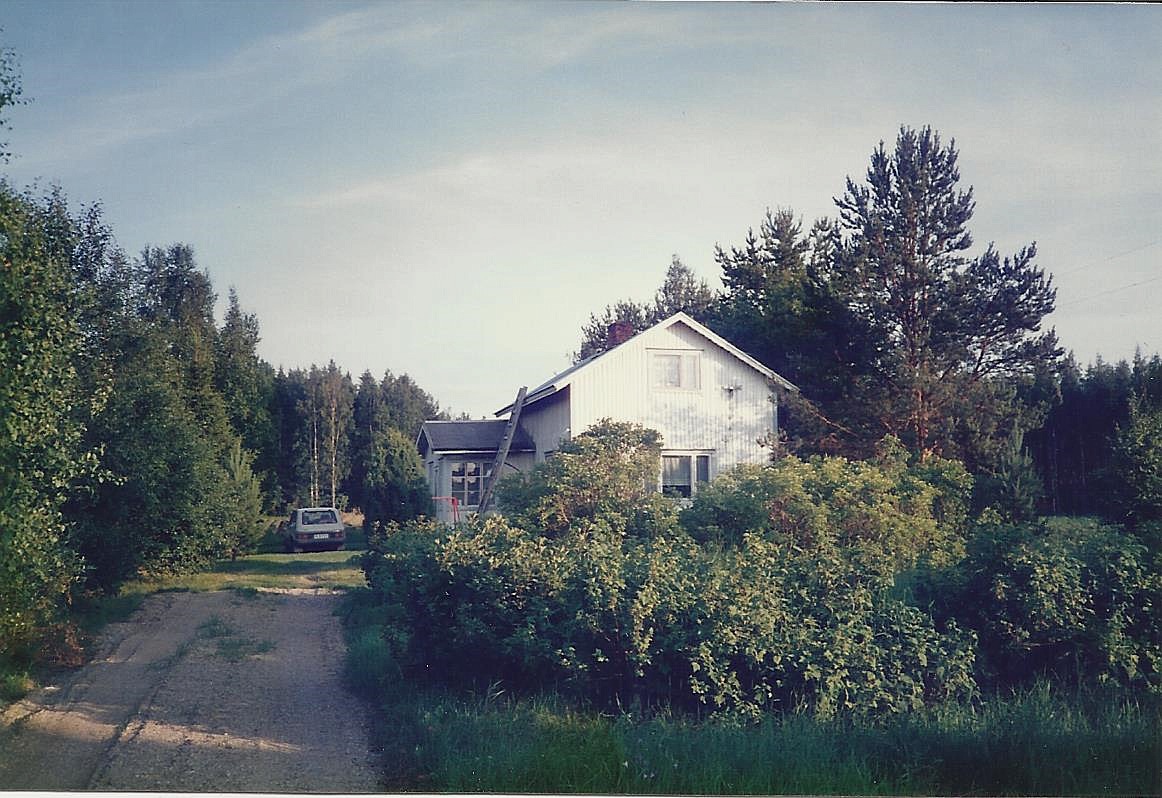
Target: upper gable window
pixel 675 370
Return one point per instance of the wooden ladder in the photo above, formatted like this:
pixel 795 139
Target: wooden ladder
pixel 502 452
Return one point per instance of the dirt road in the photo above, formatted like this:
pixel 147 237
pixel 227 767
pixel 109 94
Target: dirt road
pixel 208 692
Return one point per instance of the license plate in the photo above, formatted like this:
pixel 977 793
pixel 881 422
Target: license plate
pixel 321 536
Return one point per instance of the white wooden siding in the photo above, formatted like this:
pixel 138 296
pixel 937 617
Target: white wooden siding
pixel 547 422
pixel 729 422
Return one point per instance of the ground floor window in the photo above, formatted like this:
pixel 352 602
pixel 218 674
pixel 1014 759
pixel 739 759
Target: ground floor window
pixel 681 473
pixel 468 478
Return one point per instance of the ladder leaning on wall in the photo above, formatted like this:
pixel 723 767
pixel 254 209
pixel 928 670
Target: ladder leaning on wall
pixel 502 452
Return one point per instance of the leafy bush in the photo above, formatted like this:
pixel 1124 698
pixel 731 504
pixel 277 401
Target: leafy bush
pixel 794 628
pixel 1069 598
pixel 609 473
pixel 885 516
pixel 490 600
pixel 615 602
pixel 1138 463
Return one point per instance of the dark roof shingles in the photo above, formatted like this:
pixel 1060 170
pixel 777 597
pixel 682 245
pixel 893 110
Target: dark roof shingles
pixel 474 436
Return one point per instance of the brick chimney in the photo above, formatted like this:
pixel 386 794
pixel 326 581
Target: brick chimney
pixel 619 332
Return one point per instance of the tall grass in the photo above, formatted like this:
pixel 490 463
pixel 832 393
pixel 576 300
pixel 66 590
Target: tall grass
pixel 536 745
pixel 1029 745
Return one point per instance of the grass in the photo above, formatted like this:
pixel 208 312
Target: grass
pixel 214 627
pixel 1026 745
pixel 328 570
pixel 15 683
pixel 333 570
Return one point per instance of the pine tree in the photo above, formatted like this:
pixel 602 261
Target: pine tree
pixel 944 333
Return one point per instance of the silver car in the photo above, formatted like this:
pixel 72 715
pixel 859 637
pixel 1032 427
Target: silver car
pixel 314 528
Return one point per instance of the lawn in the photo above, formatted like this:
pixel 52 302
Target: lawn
pixel 271 569
pixel 334 570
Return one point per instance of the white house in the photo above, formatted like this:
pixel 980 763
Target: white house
pixel 712 403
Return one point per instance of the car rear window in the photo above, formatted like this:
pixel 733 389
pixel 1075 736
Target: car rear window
pixel 312 517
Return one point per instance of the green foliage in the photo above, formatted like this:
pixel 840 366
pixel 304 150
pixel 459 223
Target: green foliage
pixel 1013 490
pixel 1071 599
pixel 775 306
pixel 407 405
pixel 782 596
pixel 884 320
pixel 1137 452
pixel 151 515
pixel 942 326
pixel 10 93
pixel 788 629
pixel 41 451
pixel 394 487
pixel 607 474
pixel 246 384
pixel 386 477
pixel 1075 448
pixel 886 516
pixel 242 508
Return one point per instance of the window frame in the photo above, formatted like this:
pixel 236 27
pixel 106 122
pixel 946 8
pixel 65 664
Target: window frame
pixel 459 470
pixel 689 371
pixel 694 459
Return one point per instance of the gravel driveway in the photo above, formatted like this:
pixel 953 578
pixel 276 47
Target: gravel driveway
pixel 207 692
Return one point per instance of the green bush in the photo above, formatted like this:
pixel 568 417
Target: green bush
pixel 615 602
pixel 1069 598
pixel 789 628
pixel 608 473
pixel 886 516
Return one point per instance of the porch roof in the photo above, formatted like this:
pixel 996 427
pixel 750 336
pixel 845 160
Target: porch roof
pixel 471 436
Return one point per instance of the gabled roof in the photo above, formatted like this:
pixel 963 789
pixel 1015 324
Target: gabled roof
pixel 470 436
pixel 562 380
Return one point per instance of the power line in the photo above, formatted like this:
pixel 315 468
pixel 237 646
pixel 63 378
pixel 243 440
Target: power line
pixel 1107 260
pixel 1110 291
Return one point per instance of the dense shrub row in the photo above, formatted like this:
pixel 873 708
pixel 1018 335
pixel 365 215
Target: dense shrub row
pixel 1071 599
pixel 824 585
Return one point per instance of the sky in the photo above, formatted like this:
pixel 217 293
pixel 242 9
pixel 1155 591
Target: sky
pixel 450 189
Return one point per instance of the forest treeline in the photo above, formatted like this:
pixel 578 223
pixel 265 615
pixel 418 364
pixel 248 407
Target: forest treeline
pixel 139 435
